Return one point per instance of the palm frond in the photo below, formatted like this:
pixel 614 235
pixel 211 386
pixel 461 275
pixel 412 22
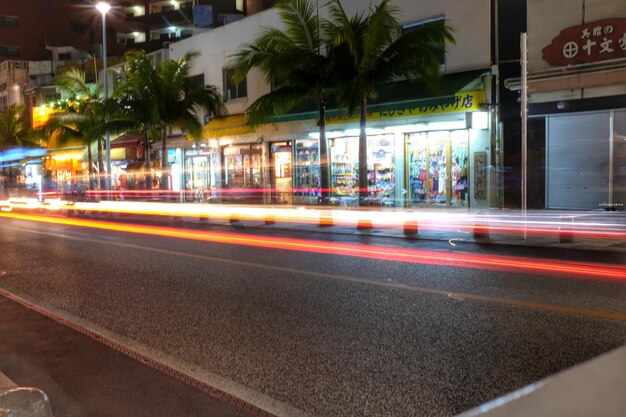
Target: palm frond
pixel 277 102
pixel 301 23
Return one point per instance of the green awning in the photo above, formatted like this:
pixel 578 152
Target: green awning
pixel 397 96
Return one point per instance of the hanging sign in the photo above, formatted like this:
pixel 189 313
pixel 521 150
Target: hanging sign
pixel 592 42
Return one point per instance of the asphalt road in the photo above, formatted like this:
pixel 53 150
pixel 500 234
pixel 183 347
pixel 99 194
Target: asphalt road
pixel 323 334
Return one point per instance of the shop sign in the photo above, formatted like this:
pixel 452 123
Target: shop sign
pixel 281 148
pixel 463 102
pixel 591 42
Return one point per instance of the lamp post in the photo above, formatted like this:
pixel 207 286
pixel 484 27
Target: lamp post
pixel 104 7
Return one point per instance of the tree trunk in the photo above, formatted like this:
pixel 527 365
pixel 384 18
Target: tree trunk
pixel 101 176
pixel 363 186
pixel 146 152
pixel 90 158
pixel 165 177
pixel 323 150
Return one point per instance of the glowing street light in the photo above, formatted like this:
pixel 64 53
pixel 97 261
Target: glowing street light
pixel 104 7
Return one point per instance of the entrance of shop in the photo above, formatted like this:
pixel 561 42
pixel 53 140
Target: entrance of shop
pixel 438 168
pixel 280 172
pixel 243 173
pixel 197 178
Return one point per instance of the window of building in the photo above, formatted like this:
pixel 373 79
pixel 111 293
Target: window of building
pixel 11 51
pixel 234 91
pixel 434 20
pixel 8 20
pixel 64 56
pixel 79 27
pixel 197 79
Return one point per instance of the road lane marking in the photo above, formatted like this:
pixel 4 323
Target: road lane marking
pixel 407 255
pixel 384 284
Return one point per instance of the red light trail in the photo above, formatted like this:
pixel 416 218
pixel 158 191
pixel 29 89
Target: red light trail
pixel 416 256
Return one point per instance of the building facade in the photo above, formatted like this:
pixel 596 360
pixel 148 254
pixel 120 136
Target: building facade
pixel 424 150
pixel 577 104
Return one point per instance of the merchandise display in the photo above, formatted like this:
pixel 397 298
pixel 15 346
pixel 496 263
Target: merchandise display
pixel 437 168
pixel 306 172
pixel 380 169
pixel 344 155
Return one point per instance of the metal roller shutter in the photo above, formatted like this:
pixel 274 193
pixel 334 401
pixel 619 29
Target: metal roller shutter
pixel 619 160
pixel 577 161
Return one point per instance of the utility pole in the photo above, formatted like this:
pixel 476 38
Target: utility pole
pixel 524 102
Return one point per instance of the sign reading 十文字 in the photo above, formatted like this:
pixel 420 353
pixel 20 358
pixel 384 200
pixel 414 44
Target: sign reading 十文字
pixel 591 42
pixel 462 102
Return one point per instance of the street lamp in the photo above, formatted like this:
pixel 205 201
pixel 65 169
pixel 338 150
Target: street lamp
pixel 104 7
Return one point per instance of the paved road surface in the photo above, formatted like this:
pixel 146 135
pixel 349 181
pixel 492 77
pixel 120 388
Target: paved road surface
pixel 325 334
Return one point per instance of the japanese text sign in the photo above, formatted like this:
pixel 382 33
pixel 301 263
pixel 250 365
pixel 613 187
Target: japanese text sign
pixel 462 102
pixel 591 42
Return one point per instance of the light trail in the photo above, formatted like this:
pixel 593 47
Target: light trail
pixel 541 224
pixel 430 257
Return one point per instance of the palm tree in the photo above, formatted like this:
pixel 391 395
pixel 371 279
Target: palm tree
pixel 14 129
pixel 84 117
pixel 296 61
pixel 380 57
pixel 164 97
pixel 14 132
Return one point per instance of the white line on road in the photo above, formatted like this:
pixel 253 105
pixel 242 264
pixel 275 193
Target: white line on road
pixel 364 281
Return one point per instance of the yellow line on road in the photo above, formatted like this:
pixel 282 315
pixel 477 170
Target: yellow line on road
pixel 388 285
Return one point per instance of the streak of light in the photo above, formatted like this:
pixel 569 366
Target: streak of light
pixel 431 257
pixel 585 226
pixel 456 297
pixel 388 283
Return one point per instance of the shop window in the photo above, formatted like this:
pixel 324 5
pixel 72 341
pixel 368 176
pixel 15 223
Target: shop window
pixel 438 168
pixel 307 172
pixel 380 169
pixel 234 91
pixel 415 25
pixel 242 168
pixel 197 80
pixel 12 51
pixel 8 21
pixel 344 156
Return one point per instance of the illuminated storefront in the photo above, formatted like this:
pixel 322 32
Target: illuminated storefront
pixel 416 157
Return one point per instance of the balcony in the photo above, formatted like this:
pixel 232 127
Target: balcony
pixel 179 17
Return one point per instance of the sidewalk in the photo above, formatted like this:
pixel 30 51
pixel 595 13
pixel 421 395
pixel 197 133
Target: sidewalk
pixel 83 377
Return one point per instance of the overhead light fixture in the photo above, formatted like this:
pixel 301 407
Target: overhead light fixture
pixel 103 7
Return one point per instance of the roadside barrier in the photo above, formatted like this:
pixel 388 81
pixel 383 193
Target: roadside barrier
pixel 411 227
pixel 480 231
pixel 566 229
